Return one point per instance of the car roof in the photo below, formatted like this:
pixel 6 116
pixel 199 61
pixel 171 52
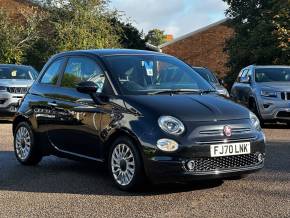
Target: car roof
pixel 272 66
pixel 267 66
pixel 111 52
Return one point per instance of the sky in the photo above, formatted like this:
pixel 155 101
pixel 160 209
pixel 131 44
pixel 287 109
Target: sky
pixel 176 17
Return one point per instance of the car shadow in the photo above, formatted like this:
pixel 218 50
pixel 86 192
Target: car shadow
pixel 55 175
pixel 5 121
pixel 275 126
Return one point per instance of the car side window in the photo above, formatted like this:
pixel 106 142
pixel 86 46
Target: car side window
pixel 81 69
pixel 51 74
pixel 244 74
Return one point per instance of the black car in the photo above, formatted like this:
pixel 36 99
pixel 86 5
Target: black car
pixel 145 114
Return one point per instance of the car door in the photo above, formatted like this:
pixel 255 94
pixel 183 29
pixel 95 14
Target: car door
pixel 42 95
pixel 77 128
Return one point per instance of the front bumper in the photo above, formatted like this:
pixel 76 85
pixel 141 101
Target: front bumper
pixel 274 109
pixel 162 169
pixel 9 103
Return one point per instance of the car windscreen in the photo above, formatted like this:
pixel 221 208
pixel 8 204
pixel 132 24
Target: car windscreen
pixel 25 73
pixel 207 75
pixel 272 75
pixel 146 74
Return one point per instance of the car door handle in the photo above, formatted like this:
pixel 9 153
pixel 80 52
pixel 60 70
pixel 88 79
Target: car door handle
pixel 53 104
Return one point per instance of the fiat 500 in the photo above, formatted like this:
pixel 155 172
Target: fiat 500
pixel 147 115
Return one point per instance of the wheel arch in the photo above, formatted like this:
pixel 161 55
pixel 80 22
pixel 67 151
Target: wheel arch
pixel 118 133
pixel 19 119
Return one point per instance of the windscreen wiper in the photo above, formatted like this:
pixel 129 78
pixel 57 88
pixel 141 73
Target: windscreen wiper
pixel 207 91
pixel 175 91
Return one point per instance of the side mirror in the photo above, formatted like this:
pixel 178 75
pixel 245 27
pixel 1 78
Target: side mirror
pixel 245 79
pixel 91 88
pixel 87 87
pixel 221 81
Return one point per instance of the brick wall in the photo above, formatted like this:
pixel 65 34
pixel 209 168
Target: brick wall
pixel 204 48
pixel 13 7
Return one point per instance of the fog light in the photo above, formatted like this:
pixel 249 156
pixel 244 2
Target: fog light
pixel 190 165
pixel 167 145
pixel 260 157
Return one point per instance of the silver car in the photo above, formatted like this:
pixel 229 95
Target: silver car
pixel 213 80
pixel 15 80
pixel 265 90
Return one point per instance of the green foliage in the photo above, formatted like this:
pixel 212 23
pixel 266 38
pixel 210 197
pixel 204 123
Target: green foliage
pixel 155 37
pixel 16 36
pixel 262 33
pixel 82 24
pixel 130 36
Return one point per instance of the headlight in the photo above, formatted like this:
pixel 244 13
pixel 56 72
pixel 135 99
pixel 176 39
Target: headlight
pixel 167 145
pixel 3 88
pixel 255 121
pixel 269 93
pixel 171 125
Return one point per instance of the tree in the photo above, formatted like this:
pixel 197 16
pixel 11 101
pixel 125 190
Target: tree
pixel 155 37
pixel 261 33
pixel 17 35
pixel 82 24
pixel 130 36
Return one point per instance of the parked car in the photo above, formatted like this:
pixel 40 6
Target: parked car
pixel 212 79
pixel 265 90
pixel 145 114
pixel 15 80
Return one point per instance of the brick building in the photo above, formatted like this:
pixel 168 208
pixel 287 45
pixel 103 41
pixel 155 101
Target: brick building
pixel 204 47
pixel 14 7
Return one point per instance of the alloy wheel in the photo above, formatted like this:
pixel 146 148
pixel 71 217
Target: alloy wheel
pixel 123 164
pixel 23 143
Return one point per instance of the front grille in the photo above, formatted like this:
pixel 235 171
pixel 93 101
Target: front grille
pixel 282 114
pixel 17 90
pixel 2 101
pixel 285 95
pixel 221 132
pixel 225 163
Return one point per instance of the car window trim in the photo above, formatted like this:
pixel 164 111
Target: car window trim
pixel 47 67
pixel 96 60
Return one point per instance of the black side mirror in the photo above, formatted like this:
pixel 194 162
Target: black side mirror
pixel 87 87
pixel 91 88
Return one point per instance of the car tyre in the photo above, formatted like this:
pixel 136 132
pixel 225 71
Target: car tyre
pixel 125 165
pixel 25 149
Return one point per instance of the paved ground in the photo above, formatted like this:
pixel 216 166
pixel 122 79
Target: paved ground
pixel 60 187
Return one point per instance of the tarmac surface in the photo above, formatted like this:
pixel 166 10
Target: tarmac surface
pixel 64 188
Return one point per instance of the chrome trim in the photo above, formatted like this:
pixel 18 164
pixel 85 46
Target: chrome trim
pixel 75 154
pixel 218 172
pixel 220 131
pixel 226 140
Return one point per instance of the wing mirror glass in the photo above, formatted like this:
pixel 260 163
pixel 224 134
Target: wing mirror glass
pixel 245 79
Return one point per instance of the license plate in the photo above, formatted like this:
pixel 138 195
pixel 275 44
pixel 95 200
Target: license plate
pixel 221 150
